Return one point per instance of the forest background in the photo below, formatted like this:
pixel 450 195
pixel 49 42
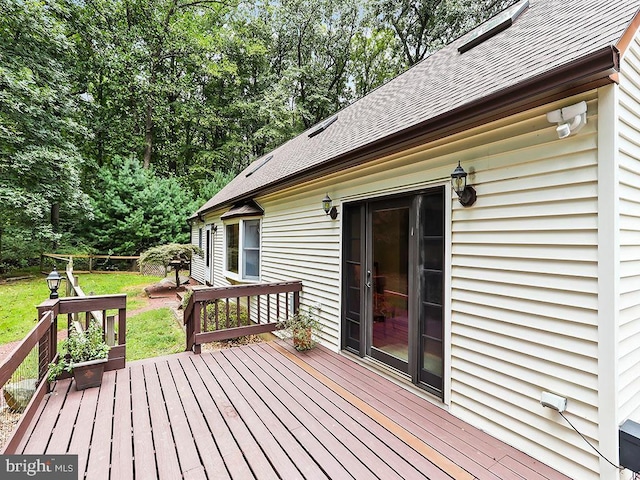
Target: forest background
pixel 119 118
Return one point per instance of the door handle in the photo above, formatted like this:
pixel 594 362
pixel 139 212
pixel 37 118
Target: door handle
pixel 368 282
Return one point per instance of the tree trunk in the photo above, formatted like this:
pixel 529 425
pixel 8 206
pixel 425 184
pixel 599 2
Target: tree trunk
pixel 148 135
pixel 55 222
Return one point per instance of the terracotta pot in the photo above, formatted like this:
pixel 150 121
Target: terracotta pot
pixel 89 374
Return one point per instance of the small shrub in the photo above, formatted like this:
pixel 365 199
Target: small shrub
pixel 303 328
pixel 80 347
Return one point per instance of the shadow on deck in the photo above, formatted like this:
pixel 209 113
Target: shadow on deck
pixel 263 411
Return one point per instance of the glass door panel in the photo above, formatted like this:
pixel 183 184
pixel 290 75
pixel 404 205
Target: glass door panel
pixel 431 268
pixel 390 285
pixel 353 294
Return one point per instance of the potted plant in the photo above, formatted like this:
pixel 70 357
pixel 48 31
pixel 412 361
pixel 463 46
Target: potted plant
pixel 303 328
pixel 87 354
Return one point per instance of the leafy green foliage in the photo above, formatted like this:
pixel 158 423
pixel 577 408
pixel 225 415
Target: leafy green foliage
pixel 303 328
pixel 188 93
pixel 80 347
pixel 422 27
pixel 39 162
pixel 164 254
pixel 134 210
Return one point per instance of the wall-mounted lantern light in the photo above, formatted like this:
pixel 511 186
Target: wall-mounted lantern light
pixel 53 282
pixel 466 193
pixel 328 208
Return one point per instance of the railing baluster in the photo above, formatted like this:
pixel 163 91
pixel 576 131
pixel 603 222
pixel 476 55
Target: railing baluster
pixel 206 317
pixel 258 308
pixel 278 305
pixel 268 308
pixel 249 311
pixel 217 318
pixel 227 314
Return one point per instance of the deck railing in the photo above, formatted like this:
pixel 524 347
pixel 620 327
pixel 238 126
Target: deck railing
pixel 23 378
pixel 23 374
pixel 222 313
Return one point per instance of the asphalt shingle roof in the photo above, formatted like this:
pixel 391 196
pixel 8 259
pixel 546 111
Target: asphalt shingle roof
pixel 547 35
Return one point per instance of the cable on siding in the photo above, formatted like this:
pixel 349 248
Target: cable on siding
pixel 590 444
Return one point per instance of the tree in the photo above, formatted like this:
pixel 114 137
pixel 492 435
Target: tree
pixel 135 210
pixel 423 26
pixel 373 60
pixel 172 255
pixel 40 194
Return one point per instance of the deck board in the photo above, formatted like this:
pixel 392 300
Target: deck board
pixel 315 436
pixel 100 453
pixel 233 459
pixel 299 433
pixel 336 409
pixel 208 452
pixel 184 441
pixel 144 458
pixel 122 448
pixel 355 459
pixel 383 395
pixel 46 423
pixel 240 431
pixel 231 381
pixel 404 459
pixel 64 427
pixel 265 413
pixel 81 437
pixel 161 429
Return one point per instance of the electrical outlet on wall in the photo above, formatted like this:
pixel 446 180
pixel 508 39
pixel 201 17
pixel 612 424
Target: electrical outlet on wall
pixel 553 401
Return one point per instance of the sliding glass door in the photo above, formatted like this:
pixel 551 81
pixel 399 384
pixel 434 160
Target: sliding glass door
pixel 393 284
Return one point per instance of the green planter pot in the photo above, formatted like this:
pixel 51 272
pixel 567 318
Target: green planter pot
pixel 89 374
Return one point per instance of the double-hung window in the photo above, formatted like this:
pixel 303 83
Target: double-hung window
pixel 242 249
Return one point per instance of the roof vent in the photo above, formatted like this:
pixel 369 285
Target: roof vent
pixel 260 165
pixel 495 25
pixel 323 126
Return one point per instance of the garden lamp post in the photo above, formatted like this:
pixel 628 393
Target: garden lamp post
pixel 53 282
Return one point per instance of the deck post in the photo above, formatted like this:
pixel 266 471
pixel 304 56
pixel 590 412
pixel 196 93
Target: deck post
pixel 195 321
pixel 47 344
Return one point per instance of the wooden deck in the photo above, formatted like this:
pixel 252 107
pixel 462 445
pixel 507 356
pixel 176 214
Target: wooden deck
pixel 266 412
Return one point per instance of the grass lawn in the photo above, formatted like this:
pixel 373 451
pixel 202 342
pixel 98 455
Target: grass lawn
pixel 154 333
pixel 18 299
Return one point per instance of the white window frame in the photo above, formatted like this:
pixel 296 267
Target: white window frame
pixel 241 275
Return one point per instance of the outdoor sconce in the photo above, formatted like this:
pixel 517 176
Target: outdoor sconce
pixel 53 282
pixel 328 208
pixel 466 193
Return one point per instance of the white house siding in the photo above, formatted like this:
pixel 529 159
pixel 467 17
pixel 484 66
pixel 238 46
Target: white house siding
pixel 523 272
pixel 629 177
pixel 197 262
pixel 523 267
pixel 525 290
